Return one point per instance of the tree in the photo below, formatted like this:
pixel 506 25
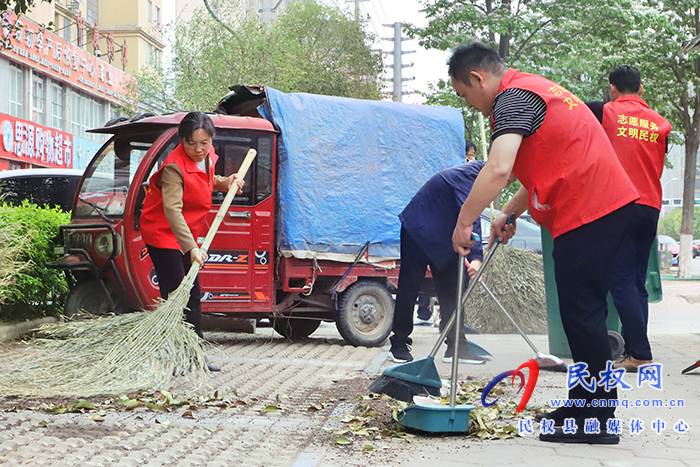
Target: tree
pixel 671 83
pixel 576 43
pixel 311 47
pixel 20 7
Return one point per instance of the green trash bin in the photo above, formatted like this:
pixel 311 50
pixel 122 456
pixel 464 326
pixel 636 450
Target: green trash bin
pixel 558 344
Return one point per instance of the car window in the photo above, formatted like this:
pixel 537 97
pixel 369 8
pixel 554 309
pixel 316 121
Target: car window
pixel 108 177
pixel 42 190
pixel 232 147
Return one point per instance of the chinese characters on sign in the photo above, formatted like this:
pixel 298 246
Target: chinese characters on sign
pixel 51 55
pixel 28 142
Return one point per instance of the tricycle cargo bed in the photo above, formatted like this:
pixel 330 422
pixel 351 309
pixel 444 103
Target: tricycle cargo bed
pixel 348 167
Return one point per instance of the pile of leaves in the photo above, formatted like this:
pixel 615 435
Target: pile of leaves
pixel 516 278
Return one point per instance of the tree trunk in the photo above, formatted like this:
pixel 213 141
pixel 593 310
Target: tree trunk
pixel 685 255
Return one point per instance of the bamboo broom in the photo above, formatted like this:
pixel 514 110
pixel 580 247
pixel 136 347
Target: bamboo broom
pixel 157 346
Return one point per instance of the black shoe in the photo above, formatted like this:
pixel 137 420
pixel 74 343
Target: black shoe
pixel 465 355
pixel 558 415
pixel 401 353
pixel 580 437
pixel 211 367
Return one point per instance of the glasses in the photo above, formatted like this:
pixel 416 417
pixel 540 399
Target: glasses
pixel 197 145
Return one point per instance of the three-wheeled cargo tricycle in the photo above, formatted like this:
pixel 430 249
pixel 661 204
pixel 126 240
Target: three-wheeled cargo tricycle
pixel 315 234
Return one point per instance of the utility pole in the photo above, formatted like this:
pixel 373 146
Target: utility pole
pixel 397 88
pixel 267 9
pixel 357 7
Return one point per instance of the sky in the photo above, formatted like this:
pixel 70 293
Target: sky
pixel 429 65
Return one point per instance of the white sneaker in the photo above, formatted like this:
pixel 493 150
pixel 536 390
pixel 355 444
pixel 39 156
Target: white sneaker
pixel 422 322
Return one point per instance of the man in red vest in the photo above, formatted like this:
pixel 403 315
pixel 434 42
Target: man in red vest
pixel 575 186
pixel 639 137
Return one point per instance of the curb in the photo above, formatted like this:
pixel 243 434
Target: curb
pixel 14 331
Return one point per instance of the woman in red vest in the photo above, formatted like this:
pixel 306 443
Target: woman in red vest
pixel 176 206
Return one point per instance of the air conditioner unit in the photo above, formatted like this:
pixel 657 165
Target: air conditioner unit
pixel 73 7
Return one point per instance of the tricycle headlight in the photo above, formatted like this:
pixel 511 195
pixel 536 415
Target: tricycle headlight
pixel 104 245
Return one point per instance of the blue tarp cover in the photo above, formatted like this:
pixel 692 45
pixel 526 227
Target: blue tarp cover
pixel 348 167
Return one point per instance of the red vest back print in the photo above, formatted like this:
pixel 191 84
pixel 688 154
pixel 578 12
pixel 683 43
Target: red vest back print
pixel 196 200
pixel 638 135
pixel 568 165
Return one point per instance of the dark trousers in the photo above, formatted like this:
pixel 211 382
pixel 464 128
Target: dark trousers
pixel 628 284
pixel 583 261
pixel 171 267
pixel 424 311
pixel 414 264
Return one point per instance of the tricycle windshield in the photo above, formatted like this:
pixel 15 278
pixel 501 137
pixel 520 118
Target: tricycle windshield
pixel 107 179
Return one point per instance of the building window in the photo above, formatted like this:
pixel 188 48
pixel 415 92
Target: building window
pixel 57 105
pixel 38 99
pixel 148 11
pixel 16 90
pixel 66 29
pixel 86 112
pixel 157 16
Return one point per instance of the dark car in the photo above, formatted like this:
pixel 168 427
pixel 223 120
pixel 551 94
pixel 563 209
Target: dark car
pixel 527 235
pixel 52 187
pixel 696 248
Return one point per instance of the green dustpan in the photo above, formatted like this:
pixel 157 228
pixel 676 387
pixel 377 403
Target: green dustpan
pixel 421 372
pixel 436 418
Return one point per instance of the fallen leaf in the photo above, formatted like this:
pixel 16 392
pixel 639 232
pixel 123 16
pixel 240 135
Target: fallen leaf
pixel 189 414
pixel 164 422
pixel 368 447
pixel 343 441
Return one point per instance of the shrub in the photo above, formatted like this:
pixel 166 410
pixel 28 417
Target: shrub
pixel 34 291
pixel 670 224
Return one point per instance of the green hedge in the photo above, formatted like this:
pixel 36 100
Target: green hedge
pixel 38 291
pixel 670 224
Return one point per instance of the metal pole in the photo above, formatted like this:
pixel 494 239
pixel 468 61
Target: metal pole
pixel 398 82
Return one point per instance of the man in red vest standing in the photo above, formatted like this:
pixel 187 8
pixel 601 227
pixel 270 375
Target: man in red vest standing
pixel 575 186
pixel 639 137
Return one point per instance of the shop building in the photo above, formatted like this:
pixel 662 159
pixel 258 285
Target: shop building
pixel 59 83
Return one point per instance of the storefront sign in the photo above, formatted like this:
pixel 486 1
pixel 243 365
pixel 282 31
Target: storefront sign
pixel 25 141
pixel 83 151
pixel 47 53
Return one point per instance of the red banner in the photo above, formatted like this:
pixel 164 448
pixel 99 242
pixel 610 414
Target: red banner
pixel 49 54
pixel 28 142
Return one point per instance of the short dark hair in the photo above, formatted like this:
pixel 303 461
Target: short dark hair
pixel 194 121
pixel 474 56
pixel 469 144
pixel 627 79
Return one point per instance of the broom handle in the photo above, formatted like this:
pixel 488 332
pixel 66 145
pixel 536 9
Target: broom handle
pixel 242 171
pixel 470 287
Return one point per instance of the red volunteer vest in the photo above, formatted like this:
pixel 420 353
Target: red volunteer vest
pixel 568 166
pixel 638 135
pixel 196 200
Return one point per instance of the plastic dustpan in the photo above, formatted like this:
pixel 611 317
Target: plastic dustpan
pixel 421 372
pixel 436 418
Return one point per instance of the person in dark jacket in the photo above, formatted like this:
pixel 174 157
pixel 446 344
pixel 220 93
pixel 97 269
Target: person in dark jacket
pixel 427 223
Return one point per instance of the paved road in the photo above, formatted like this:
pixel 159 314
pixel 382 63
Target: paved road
pixel 266 370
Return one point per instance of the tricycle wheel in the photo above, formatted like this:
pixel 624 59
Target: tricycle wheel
pixel 295 328
pixel 87 297
pixel 365 314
